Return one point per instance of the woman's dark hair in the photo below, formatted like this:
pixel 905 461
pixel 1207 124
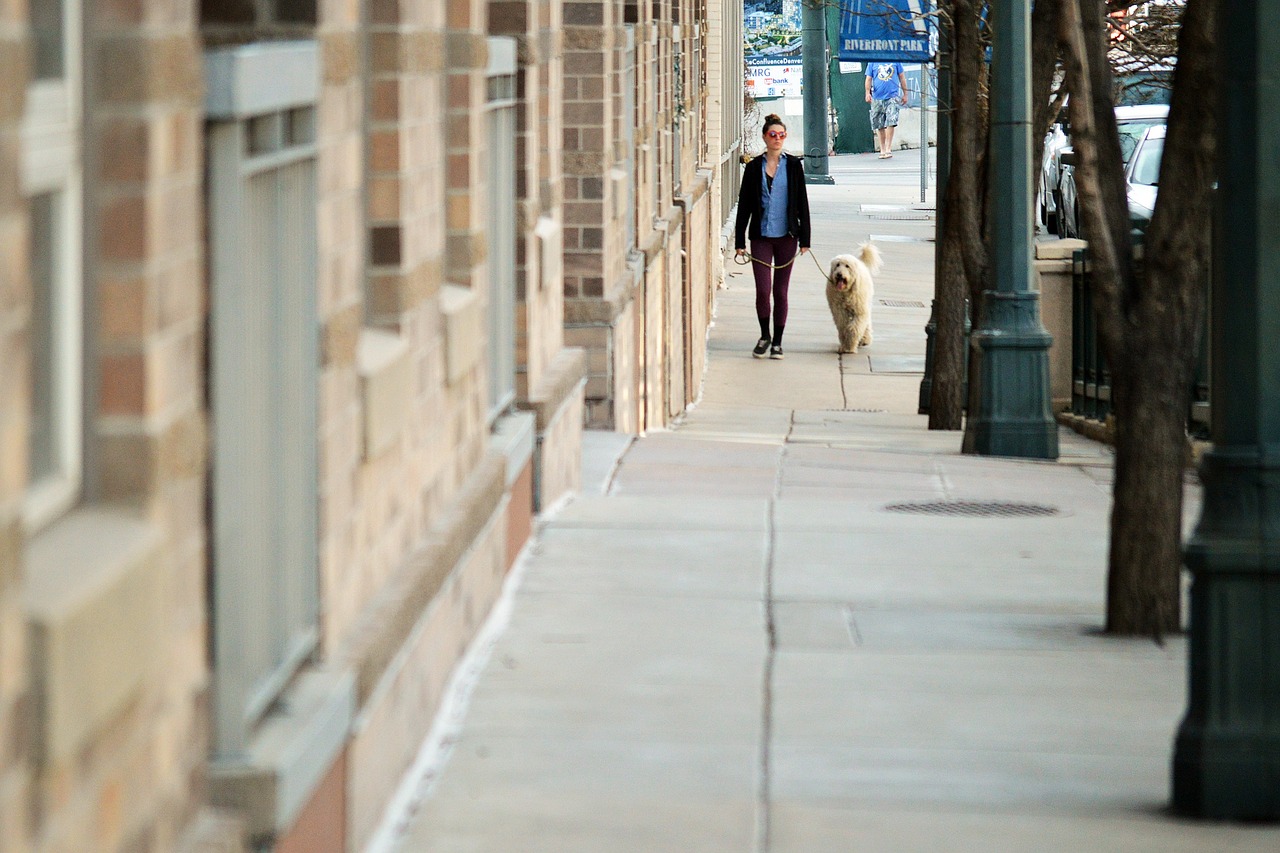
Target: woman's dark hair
pixel 770 120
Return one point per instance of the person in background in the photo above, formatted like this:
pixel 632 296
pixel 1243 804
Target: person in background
pixel 774 204
pixel 886 89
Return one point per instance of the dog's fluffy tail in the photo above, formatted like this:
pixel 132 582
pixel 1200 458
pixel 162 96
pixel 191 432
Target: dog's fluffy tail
pixel 870 255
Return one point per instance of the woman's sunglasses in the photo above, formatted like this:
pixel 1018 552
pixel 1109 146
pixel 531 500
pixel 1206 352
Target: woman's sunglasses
pixel 777 134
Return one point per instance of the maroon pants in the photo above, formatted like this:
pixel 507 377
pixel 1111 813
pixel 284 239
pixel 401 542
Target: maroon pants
pixel 771 282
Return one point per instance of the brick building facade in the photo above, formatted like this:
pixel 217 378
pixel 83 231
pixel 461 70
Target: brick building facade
pixel 303 307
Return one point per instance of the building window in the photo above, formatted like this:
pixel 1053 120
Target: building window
pixel 51 177
pixel 47 24
pixel 501 120
pixel 54 460
pixel 264 376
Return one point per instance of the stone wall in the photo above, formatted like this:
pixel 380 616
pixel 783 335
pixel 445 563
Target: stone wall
pixel 113 593
pixel 107 699
pixel 631 291
pixel 547 374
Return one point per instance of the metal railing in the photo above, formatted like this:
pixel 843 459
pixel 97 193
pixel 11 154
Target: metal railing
pixel 1090 376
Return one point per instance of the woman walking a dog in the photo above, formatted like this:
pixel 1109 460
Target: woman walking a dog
pixel 773 202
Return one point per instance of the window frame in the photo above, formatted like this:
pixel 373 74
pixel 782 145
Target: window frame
pixel 260 137
pixel 52 145
pixel 501 120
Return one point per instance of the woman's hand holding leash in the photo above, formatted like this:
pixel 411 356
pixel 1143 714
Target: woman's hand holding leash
pixel 741 258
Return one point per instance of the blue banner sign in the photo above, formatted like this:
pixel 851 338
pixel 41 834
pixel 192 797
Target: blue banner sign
pixel 886 30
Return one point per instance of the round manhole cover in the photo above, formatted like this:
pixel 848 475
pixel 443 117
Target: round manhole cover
pixel 975 509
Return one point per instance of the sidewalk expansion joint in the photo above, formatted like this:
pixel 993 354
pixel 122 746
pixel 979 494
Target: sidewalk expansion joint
pixel 844 395
pixel 763 805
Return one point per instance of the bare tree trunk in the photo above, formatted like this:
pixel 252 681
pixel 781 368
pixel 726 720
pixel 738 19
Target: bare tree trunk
pixel 1104 207
pixel 1146 529
pixel 964 256
pixel 1148 320
pixel 1044 60
pixel 1145 557
pixel 950 365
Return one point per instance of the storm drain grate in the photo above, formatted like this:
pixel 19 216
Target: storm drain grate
pixel 901 303
pixel 975 509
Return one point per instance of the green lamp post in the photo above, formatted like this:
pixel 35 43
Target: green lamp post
pixel 1226 762
pixel 813 31
pixel 1013 416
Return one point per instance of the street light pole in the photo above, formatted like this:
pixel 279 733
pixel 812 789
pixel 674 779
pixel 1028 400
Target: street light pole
pixel 943 64
pixel 813 32
pixel 1014 416
pixel 1226 762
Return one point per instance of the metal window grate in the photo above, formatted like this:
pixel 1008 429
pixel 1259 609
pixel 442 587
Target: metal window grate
pixel 501 126
pixel 264 381
pixel 975 509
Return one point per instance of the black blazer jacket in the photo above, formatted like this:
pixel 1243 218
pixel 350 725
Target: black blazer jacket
pixel 750 210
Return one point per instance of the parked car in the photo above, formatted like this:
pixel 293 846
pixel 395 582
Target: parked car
pixel 1142 175
pixel 1132 123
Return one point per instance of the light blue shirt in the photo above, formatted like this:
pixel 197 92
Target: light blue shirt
pixel 774 201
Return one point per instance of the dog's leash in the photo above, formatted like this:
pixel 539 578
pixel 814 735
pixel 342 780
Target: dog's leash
pixel 744 260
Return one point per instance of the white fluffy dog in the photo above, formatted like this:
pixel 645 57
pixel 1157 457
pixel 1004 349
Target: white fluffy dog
pixel 849 292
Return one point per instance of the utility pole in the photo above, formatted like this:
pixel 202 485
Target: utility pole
pixel 1014 416
pixel 1226 762
pixel 813 21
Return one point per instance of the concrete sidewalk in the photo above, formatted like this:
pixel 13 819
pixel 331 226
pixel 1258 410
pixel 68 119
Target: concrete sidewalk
pixel 733 641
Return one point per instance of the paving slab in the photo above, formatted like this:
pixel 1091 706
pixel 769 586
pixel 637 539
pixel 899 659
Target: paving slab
pixel 686 448
pixel 577 661
pixel 601 452
pixel 1141 828
pixel 688 480
pixel 840 626
pixel 640 624
pixel 715 563
pixel 582 821
pixel 974 779
pixel 671 512
pixel 637 711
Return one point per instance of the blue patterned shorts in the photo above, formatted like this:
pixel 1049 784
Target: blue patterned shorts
pixel 884 114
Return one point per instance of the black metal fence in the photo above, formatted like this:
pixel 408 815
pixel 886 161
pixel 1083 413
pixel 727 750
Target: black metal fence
pixel 1090 378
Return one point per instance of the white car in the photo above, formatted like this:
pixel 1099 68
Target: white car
pixel 1142 175
pixel 1133 124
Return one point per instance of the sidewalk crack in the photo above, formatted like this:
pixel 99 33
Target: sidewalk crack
pixel 764 797
pixel 844 394
pixel 944 482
